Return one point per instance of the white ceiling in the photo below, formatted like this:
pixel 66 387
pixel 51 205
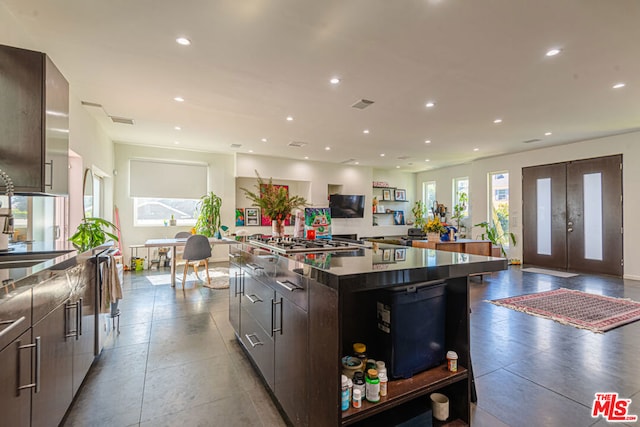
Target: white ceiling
pixel 253 62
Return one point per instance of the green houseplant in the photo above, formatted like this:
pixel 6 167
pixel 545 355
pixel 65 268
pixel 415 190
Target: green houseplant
pixel 419 209
pixel 274 201
pixel 496 235
pixel 208 221
pixel 91 233
pixel 460 209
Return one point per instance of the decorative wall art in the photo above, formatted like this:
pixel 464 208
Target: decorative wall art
pixel 239 217
pixel 252 216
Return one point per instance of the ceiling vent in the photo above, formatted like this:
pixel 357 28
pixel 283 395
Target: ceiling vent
pixel 403 157
pixel 529 141
pixel 344 162
pixel 362 104
pixel 236 145
pixel 297 144
pixel 123 120
pixel 91 104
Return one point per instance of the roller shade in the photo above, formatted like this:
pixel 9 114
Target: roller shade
pixel 173 180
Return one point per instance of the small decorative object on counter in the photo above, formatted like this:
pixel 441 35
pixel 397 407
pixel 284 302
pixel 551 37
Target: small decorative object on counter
pixel 360 351
pixel 383 383
pixel 357 398
pixel 452 361
pixel 372 390
pixel 350 365
pixel 345 393
pixel 359 383
pixel 381 367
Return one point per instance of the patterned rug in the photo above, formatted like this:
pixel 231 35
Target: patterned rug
pixel 596 313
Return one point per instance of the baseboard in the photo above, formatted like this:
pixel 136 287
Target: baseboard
pixel 631 277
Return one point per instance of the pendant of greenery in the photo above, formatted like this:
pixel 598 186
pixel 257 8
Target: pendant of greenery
pixel 91 233
pixel 274 201
pixel 208 221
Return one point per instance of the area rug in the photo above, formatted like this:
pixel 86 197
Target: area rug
pixel 596 313
pixel 549 272
pixel 219 278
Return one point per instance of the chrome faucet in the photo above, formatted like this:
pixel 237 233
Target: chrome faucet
pixel 8 223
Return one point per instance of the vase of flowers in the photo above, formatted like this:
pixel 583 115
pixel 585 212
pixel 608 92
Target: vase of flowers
pixel 275 203
pixel 434 229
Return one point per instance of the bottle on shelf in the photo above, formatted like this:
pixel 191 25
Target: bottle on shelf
pixel 372 390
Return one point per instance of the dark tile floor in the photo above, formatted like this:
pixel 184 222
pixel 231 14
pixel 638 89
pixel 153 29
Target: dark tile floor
pixel 176 361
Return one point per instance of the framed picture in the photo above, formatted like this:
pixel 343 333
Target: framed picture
pixel 252 216
pixel 386 255
pixel 401 195
pixel 398 217
pixel 400 255
pixel 386 194
pixel 239 217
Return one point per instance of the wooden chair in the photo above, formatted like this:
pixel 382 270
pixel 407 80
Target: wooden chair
pixel 196 249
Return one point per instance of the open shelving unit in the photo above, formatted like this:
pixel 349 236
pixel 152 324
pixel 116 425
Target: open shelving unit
pixel 396 204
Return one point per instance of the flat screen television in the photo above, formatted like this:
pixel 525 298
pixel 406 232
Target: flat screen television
pixel 346 206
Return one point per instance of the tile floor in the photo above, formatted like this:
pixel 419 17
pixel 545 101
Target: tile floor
pixel 176 361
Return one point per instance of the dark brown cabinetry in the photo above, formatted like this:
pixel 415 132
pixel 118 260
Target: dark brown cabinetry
pixel 15 372
pixel 34 118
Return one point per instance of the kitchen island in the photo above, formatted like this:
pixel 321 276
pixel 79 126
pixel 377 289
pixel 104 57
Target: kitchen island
pixel 297 314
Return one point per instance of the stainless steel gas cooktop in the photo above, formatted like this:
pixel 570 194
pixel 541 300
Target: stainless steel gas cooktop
pixel 292 245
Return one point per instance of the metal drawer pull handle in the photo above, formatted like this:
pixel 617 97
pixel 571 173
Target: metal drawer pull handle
pixel 69 333
pixel 79 318
pixel 290 286
pixel 254 266
pixel 253 301
pixel 273 316
pixel 50 185
pixel 13 324
pixel 35 384
pixel 234 256
pixel 258 342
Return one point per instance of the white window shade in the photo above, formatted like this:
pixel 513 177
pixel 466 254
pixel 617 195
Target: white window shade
pixel 149 178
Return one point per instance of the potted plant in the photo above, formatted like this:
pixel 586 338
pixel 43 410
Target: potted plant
pixel 460 208
pixel 91 233
pixel 275 202
pixel 496 235
pixel 208 221
pixel 434 229
pixel 418 211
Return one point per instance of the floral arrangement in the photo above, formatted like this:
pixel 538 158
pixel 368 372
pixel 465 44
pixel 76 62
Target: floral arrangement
pixel 434 226
pixel 274 200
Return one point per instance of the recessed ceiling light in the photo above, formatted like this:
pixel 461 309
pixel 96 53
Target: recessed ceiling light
pixel 430 104
pixel 547 133
pixel 251 151
pixel 365 131
pixel 306 157
pixel 428 141
pixel 327 148
pixel 357 163
pixel 334 81
pixel 427 160
pixel 397 167
pixel 382 155
pixel 553 52
pixel 497 121
pixel 176 142
pixel 618 85
pixel 264 140
pixel 178 99
pixel 476 149
pixel 177 127
pixel 183 41
pixel 289 118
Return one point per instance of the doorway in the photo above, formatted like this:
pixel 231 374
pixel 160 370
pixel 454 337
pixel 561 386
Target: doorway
pixel 572 215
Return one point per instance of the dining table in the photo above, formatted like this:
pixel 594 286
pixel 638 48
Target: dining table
pixel 174 243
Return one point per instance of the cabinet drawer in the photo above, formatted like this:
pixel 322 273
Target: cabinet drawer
pixel 236 256
pixel 259 345
pixel 261 264
pixel 290 284
pixel 257 300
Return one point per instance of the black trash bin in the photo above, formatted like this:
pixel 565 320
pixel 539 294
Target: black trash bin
pixel 411 327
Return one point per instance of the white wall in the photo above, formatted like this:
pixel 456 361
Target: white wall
pixel 319 175
pixel 221 182
pixel 628 145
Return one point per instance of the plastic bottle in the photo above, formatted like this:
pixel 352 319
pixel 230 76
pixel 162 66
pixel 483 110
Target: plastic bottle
pixel 357 398
pixel 360 351
pixel 359 383
pixel 452 361
pixel 381 367
pixel 371 364
pixel 350 387
pixel 345 393
pixel 383 383
pixel 372 386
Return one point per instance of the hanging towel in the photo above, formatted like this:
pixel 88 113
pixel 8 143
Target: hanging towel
pixel 111 287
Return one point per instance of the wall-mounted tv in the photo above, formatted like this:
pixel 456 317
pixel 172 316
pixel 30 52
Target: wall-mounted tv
pixel 346 206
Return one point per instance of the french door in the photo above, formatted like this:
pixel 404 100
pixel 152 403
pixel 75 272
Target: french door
pixel 572 215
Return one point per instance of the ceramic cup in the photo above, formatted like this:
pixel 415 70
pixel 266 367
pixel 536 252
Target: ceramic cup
pixel 440 406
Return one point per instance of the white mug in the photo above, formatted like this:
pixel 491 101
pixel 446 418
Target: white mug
pixel 440 406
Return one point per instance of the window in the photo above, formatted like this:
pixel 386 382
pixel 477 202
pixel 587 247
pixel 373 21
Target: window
pixel 461 195
pixel 429 194
pixel 499 204
pixel 149 211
